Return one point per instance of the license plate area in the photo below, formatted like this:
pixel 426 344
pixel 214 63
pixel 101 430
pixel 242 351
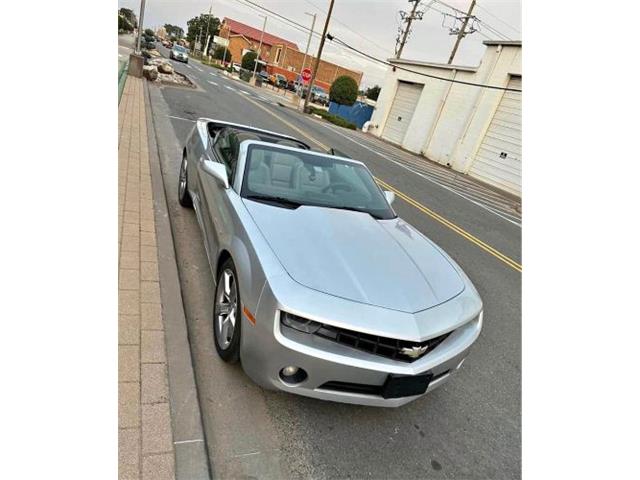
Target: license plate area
pixel 397 386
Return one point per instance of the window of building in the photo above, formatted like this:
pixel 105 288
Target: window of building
pixel 278 52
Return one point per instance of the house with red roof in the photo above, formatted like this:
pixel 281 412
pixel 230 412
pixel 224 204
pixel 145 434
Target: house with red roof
pixel 281 55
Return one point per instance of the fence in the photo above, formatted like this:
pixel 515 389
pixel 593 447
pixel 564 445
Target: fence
pixel 122 77
pixel 357 113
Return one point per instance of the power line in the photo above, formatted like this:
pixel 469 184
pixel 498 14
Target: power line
pixel 464 14
pixel 498 19
pixel 349 27
pixel 371 57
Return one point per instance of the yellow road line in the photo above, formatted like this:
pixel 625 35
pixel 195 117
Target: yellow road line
pixel 463 233
pixel 488 248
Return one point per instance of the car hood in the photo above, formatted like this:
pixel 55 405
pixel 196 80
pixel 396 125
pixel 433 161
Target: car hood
pixel 350 254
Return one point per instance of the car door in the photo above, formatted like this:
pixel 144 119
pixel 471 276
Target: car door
pixel 215 202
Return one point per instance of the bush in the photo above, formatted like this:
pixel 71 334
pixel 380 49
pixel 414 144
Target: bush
pixel 218 54
pixel 344 91
pixel 335 119
pixel 249 60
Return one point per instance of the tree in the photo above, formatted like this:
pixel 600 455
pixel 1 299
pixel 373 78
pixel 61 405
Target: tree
pixel 148 32
pixel 218 54
pixel 344 90
pixel 173 30
pixel 128 17
pixel 373 92
pixel 199 24
pixel 249 60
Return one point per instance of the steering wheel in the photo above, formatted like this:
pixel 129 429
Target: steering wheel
pixel 338 186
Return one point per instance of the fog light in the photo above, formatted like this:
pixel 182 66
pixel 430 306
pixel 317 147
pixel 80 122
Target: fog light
pixel 289 371
pixel 293 375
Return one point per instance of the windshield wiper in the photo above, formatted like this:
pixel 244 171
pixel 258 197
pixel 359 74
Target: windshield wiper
pixel 284 202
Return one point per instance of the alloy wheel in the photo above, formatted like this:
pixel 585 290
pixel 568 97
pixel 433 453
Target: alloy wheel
pixel 183 177
pixel 226 308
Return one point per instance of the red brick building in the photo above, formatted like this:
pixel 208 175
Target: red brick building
pixel 282 56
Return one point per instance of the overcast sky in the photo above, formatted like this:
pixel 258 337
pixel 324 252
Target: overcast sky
pixel 369 25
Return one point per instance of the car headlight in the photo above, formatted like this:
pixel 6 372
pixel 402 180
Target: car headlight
pixel 298 323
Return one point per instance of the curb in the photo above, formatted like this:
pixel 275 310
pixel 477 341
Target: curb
pixel 188 436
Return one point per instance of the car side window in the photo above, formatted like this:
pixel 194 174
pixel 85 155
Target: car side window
pixel 227 150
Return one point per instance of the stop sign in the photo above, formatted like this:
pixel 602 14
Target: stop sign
pixel 306 74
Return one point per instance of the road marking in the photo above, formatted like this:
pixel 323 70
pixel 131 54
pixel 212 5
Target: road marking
pixel 423 175
pixel 245 92
pixel 230 88
pixel 188 66
pixel 246 454
pixel 188 441
pixel 199 69
pixel 488 248
pixel 180 118
pixel 214 74
pixel 212 83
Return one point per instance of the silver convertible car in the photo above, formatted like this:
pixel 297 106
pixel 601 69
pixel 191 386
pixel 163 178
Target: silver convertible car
pixel 321 290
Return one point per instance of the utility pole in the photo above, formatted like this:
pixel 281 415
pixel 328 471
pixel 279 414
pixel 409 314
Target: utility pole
pixel 206 47
pixel 462 32
pixel 408 19
pixel 255 64
pixel 140 26
pixel 224 56
pixel 317 62
pixel 306 52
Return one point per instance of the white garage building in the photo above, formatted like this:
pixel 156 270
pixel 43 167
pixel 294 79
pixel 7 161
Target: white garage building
pixel 473 130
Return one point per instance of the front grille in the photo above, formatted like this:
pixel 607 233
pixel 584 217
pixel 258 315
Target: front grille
pixel 385 347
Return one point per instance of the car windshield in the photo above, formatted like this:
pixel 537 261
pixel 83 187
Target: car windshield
pixel 180 49
pixel 290 178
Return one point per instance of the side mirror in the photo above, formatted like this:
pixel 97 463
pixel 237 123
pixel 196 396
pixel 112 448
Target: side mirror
pixel 390 196
pixel 217 171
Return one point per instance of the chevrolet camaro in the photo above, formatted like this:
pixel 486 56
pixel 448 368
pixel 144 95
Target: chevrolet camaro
pixel 320 288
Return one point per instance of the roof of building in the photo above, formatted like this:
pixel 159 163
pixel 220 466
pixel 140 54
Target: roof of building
pixel 513 43
pixel 420 63
pixel 254 33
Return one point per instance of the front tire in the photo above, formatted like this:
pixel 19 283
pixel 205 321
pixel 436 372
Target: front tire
pixel 184 197
pixel 227 317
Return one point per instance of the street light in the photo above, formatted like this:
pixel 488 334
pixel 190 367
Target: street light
pixel 306 52
pixel 140 26
pixel 255 64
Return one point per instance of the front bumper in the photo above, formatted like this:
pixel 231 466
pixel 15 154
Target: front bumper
pixel 267 347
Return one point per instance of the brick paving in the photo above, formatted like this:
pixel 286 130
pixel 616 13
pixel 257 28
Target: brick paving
pixel 145 440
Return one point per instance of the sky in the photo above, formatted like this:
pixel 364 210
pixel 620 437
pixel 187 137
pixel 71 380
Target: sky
pixel 368 25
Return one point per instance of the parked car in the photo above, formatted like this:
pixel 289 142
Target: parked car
pixel 179 53
pixel 236 67
pixel 278 80
pixel 291 86
pixel 320 97
pixel 264 76
pixel 320 288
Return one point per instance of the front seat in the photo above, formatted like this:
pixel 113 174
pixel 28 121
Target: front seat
pixel 310 179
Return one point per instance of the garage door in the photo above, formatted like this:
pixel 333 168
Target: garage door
pixel 498 161
pixel 402 108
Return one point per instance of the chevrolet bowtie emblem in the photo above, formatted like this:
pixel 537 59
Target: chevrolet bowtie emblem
pixel 414 352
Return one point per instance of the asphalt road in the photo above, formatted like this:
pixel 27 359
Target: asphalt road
pixel 469 428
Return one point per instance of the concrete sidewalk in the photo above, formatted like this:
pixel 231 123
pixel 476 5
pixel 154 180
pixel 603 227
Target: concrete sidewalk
pixel 145 446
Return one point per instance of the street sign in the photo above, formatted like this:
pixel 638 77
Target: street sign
pixel 306 74
pixel 220 41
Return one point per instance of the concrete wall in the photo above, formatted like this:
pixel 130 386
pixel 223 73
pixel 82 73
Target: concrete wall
pixel 450 119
